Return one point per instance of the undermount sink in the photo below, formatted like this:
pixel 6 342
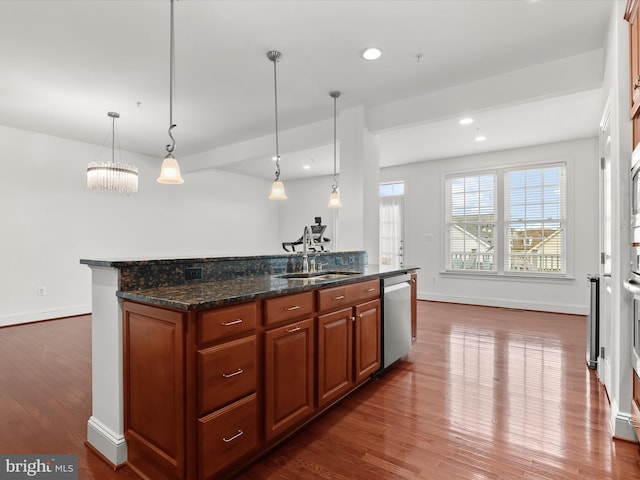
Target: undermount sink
pixel 334 276
pixel 329 275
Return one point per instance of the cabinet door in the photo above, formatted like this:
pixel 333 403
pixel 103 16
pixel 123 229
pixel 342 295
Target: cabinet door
pixel 335 357
pixel 289 376
pixel 367 339
pixel 154 394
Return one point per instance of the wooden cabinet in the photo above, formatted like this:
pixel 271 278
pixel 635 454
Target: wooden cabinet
pixel 335 355
pixel 631 15
pixel 154 394
pixel 288 307
pixel 348 339
pixel 205 392
pixel 190 386
pixel 226 373
pixel 226 435
pixel 367 340
pixel 289 376
pixel 635 404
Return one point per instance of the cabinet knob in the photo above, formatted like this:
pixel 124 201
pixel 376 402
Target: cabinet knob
pixel 294 329
pixel 294 307
pixel 339 297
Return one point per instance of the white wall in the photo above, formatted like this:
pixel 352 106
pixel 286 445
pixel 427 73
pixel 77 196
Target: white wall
pixel 425 237
pixel 307 199
pixel 50 220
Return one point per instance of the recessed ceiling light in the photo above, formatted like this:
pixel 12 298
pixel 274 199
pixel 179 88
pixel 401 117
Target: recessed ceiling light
pixel 480 138
pixel 466 121
pixel 306 167
pixel 371 53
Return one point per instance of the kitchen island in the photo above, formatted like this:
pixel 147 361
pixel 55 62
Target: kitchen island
pixel 216 360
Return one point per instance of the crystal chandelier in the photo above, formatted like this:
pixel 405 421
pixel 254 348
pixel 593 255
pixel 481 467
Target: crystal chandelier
pixel 113 177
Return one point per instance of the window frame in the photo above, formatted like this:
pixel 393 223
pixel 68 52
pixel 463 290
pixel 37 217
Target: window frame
pixel 501 236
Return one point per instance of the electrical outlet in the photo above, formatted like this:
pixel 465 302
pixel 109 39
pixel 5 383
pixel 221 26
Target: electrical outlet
pixel 42 291
pixel 193 273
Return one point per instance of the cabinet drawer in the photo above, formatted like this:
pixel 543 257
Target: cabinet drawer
pixel 359 292
pixel 226 435
pixel 287 307
pixel 226 373
pixel 333 298
pixel 226 322
pixel 346 295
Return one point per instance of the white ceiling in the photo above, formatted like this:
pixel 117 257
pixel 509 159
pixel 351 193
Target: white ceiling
pixel 66 63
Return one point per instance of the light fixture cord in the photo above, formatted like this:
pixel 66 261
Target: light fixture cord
pixel 335 180
pixel 275 89
pixel 172 145
pixel 113 139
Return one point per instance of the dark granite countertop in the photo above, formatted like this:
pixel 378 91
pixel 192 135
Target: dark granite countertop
pixel 214 293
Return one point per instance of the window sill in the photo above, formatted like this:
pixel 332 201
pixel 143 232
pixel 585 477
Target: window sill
pixel 509 277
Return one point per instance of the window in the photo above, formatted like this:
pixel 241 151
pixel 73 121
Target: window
pixel 471 222
pixel 391 224
pixel 520 230
pixel 391 189
pixel 535 220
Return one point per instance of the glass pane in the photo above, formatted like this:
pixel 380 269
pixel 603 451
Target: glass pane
pixel 534 234
pixel 391 189
pixel 386 190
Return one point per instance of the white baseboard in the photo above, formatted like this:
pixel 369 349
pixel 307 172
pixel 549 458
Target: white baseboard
pixel 604 372
pixel 29 317
pixel 505 303
pixel 621 423
pixel 107 442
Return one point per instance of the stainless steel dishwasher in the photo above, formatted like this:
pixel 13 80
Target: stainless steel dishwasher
pixel 396 318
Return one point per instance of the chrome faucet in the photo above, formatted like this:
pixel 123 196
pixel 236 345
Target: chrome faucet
pixel 307 240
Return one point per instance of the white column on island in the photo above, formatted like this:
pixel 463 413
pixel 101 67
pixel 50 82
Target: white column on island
pixel 105 428
pixel 358 220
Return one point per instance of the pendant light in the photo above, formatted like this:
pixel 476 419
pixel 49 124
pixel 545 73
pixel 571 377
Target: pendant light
pixel 334 198
pixel 277 188
pixel 170 171
pixel 115 177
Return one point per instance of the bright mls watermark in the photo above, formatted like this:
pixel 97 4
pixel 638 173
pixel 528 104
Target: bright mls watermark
pixel 49 467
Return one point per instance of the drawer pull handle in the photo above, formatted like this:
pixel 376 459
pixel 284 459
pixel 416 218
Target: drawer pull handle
pixel 235 322
pixel 371 290
pixel 229 375
pixel 239 434
pixel 294 329
pixel 288 309
pixel 339 297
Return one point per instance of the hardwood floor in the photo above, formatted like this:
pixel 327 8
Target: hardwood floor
pixel 486 393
